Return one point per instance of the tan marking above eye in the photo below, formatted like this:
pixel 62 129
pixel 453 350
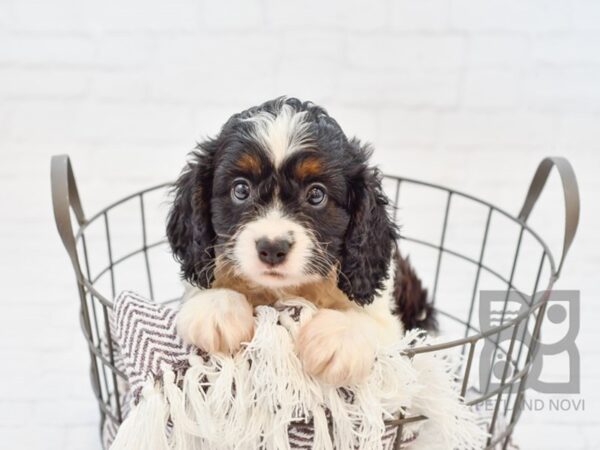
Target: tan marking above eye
pixel 248 163
pixel 308 166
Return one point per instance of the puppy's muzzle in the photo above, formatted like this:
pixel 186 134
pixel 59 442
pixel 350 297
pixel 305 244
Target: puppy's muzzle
pixel 273 252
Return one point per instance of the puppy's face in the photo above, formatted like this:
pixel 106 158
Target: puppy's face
pixel 280 202
pixel 283 198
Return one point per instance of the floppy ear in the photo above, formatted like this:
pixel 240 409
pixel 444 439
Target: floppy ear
pixel 370 236
pixel 189 228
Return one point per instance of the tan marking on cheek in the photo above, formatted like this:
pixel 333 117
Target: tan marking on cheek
pixel 324 293
pixel 248 163
pixel 225 277
pixel 307 167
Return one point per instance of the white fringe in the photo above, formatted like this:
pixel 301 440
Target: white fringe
pixel 450 423
pixel 248 401
pixel 146 425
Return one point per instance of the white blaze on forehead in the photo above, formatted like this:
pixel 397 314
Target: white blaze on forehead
pixel 282 133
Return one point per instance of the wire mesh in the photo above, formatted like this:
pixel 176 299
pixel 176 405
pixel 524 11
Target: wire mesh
pixel 99 284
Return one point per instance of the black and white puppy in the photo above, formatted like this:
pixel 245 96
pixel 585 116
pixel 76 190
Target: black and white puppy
pixel 281 204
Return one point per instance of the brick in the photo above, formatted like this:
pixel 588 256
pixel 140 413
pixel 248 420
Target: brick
pixel 564 89
pixel 47 50
pixel 215 87
pixel 33 437
pixel 48 119
pixel 5 120
pixel 208 121
pixel 567 49
pixel 499 50
pixel 141 16
pixel 406 52
pixel 580 130
pixel 53 338
pixel 511 15
pixel 82 437
pixel 70 413
pixel 46 83
pixel 213 53
pixel 234 15
pixel 61 16
pixel 104 123
pixel 415 128
pixel 4 15
pixel 496 129
pixel 586 15
pixel 309 65
pixel 365 15
pixel 162 162
pixel 53 313
pixel 420 15
pixel 361 122
pixel 116 51
pixel 491 88
pixel 408 88
pixel 135 123
pixel 73 16
pixel 120 86
pixel 311 14
pixel 562 435
pixel 315 82
pixel 15 413
pixel 311 46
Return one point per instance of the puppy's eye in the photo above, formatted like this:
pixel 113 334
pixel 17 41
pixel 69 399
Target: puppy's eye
pixel 240 191
pixel 316 195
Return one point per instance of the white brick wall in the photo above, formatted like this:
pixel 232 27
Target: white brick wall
pixel 469 93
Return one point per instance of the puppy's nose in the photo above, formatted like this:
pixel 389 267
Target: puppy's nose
pixel 272 252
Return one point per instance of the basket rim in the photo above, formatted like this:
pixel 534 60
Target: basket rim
pixel 397 178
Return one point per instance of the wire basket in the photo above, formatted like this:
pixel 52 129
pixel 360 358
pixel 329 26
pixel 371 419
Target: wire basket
pixel 123 247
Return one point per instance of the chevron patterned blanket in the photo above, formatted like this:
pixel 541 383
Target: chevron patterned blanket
pixel 180 398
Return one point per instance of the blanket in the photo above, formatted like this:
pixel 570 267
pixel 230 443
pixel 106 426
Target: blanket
pixel 181 398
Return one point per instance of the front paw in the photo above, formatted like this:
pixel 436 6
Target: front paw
pixel 335 348
pixel 216 320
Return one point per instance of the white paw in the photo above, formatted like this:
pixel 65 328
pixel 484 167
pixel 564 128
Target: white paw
pixel 216 320
pixel 334 347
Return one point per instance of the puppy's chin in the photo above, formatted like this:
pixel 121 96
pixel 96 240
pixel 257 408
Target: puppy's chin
pixel 279 278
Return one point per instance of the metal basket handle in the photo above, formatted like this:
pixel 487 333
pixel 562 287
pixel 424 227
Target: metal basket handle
pixel 571 195
pixel 65 198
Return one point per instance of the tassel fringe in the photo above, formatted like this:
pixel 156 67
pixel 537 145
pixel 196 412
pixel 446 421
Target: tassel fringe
pixel 248 401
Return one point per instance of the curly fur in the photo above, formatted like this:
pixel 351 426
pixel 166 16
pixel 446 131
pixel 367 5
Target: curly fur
pixel 371 234
pixel 189 228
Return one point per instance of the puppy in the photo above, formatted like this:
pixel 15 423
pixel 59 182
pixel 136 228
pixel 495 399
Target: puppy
pixel 281 204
